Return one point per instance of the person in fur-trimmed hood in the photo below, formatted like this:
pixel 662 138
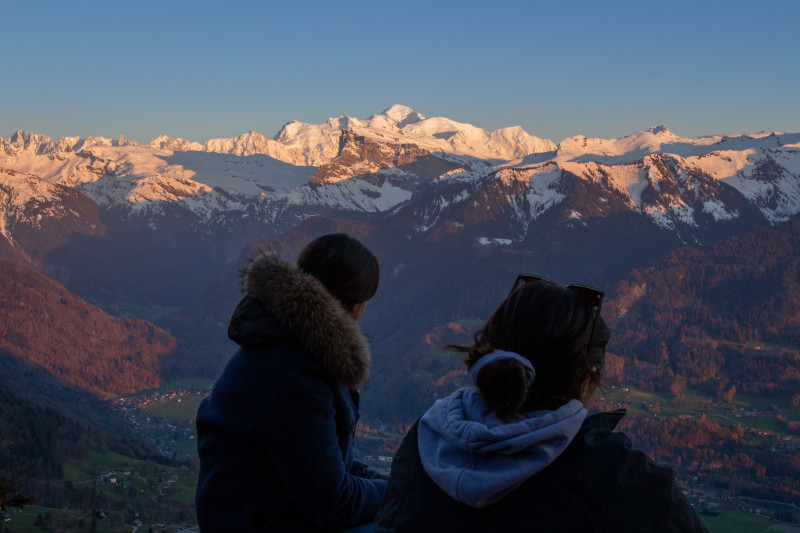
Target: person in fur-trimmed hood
pixel 275 436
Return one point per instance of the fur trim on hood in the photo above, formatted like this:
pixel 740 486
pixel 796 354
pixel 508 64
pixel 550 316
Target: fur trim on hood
pixel 307 311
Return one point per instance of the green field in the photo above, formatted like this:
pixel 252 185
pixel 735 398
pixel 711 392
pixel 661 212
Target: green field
pixel 186 447
pixel 695 403
pixel 143 476
pixel 24 521
pixel 184 408
pixel 740 522
pixel 82 471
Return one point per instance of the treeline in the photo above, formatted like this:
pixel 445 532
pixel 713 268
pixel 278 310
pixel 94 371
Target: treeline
pixel 45 325
pixel 724 314
pixel 718 456
pixel 39 441
pixel 43 439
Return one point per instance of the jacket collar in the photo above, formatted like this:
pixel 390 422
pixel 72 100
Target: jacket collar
pixel 307 311
pixel 604 420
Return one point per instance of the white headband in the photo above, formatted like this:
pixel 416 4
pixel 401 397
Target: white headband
pixel 530 373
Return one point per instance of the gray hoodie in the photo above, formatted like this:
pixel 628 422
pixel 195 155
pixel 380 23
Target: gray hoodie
pixel 478 459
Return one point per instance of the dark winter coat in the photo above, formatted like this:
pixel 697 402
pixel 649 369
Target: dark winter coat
pixel 275 437
pixel 598 484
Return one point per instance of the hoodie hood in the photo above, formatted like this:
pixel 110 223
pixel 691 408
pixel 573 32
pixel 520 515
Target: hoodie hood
pixel 282 301
pixel 478 459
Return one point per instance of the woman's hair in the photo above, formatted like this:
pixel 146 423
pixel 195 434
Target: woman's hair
pixel 345 267
pixel 550 326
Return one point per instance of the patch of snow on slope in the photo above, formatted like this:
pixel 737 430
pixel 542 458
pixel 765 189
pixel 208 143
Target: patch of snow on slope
pixel 541 194
pixel 21 191
pixel 682 212
pixel 788 158
pixel 631 180
pixel 247 175
pixel 354 194
pixel 777 200
pixel 166 189
pixel 724 164
pixel 484 241
pixel 22 188
pixel 462 175
pixel 463 196
pixel 661 216
pixel 717 210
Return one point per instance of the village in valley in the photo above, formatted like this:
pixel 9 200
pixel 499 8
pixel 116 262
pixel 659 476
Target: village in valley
pixel 165 417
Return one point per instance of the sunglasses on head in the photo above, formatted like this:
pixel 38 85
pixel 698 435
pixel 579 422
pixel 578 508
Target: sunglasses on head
pixel 593 298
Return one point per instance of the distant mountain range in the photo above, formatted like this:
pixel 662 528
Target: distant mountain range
pixel 399 158
pixel 454 212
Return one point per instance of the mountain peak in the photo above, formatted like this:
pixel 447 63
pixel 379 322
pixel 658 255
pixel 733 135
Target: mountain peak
pixel 342 122
pixel 402 115
pixel 660 128
pixel 25 138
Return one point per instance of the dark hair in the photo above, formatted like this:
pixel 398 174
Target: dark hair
pixel 345 267
pixel 549 325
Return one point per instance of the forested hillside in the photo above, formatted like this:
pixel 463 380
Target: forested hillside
pixel 725 317
pixel 44 325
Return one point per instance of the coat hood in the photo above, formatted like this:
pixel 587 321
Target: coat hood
pixel 282 301
pixel 478 459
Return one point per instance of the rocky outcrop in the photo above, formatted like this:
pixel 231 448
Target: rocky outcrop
pixel 359 156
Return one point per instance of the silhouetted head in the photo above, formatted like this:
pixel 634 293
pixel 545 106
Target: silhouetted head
pixel 550 325
pixel 347 269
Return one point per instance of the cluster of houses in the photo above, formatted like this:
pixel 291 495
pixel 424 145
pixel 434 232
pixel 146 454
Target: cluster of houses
pixel 122 478
pixel 117 478
pixel 144 401
pixel 145 413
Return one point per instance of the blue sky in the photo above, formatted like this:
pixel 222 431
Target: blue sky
pixel 200 70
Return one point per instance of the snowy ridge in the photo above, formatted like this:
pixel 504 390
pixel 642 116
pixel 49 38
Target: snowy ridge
pixel 373 168
pixel 16 191
pixel 402 125
pixel 139 176
pixel 303 144
pixel 659 140
pixel 679 194
pixel 541 192
pixel 25 197
pixel 764 168
pixel 351 195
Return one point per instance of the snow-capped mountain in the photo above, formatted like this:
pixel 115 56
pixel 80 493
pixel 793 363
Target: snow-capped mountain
pixel 304 144
pixel 152 228
pixel 433 173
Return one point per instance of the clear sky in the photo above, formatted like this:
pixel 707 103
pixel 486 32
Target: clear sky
pixel 202 69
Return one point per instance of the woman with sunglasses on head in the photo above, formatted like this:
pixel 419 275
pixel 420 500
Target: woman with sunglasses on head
pixel 275 438
pixel 517 451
